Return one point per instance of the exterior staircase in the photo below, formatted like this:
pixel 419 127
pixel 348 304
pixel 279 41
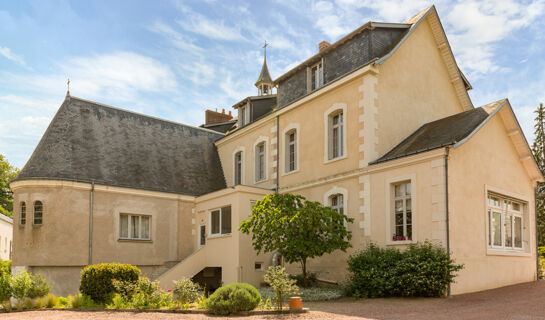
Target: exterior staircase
pixel 188 267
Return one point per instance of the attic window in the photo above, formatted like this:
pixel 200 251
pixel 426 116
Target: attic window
pixel 317 76
pixel 244 115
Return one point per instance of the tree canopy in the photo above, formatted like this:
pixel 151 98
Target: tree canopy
pixel 297 228
pixel 7 174
pixel 538 149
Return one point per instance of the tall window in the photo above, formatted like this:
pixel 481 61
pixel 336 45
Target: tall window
pixel 23 213
pixel 244 114
pixel 260 162
pixel 505 222
pixel 291 151
pixel 336 203
pixel 134 227
pixel 336 135
pixel 403 214
pixel 220 221
pixel 238 168
pixel 316 74
pixel 38 212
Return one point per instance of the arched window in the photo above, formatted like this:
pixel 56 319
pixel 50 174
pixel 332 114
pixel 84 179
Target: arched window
pixel 336 135
pixel 291 151
pixel 238 168
pixel 23 213
pixel 336 202
pixel 38 212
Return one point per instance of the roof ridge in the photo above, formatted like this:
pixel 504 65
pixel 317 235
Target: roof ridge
pixel 143 115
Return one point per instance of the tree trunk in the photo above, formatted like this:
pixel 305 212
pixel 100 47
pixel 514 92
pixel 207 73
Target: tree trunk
pixel 304 267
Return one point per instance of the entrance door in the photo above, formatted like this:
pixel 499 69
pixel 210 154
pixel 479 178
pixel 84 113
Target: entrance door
pixel 202 235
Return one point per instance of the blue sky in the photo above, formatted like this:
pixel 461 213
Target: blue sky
pixel 174 59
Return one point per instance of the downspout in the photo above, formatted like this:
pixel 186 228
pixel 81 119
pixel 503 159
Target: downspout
pixel 535 223
pixel 447 149
pixel 91 198
pixel 277 154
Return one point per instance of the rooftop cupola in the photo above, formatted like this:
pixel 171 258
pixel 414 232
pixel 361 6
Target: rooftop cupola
pixel 264 83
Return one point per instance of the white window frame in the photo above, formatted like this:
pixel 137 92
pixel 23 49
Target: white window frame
pixel 261 264
pixel 390 207
pixel 265 141
pixel 129 226
pixel 335 190
pixel 210 228
pixel 505 197
pixel 328 118
pixel 320 73
pixel 244 115
pixel 243 151
pixel 288 129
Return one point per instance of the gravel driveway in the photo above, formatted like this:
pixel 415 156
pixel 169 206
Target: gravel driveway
pixel 524 301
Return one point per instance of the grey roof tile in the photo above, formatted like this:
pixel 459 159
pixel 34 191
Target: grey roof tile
pixel 90 141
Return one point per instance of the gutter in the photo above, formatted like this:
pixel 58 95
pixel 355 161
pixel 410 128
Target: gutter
pixel 91 198
pixel 447 208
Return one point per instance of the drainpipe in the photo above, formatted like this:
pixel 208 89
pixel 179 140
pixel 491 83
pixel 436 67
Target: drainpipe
pixel 535 223
pixel 447 149
pixel 278 154
pixel 91 197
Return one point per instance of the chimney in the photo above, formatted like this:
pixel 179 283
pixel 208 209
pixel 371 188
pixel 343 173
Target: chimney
pixel 322 45
pixel 212 117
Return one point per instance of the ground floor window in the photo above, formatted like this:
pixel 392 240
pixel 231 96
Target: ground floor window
pixel 135 227
pixel 402 212
pixel 505 222
pixel 220 221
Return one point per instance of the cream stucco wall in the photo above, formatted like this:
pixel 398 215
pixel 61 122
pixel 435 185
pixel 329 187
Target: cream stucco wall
pixel 6 236
pixel 63 238
pixel 487 159
pixel 414 88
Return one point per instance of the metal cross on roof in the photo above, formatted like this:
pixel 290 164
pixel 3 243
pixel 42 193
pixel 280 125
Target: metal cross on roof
pixel 265 48
pixel 68 85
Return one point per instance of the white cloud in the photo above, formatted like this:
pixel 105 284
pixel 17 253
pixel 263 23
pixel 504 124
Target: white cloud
pixel 8 54
pixel 179 40
pixel 202 25
pixel 15 101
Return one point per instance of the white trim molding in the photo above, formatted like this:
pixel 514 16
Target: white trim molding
pixel 259 140
pixel 335 107
pixel 368 124
pixel 243 150
pixel 388 205
pixel 291 126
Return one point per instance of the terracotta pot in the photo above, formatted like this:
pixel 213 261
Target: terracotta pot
pixel 296 303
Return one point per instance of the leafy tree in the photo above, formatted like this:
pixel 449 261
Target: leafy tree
pixel 538 149
pixel 7 174
pixel 297 228
pixel 279 281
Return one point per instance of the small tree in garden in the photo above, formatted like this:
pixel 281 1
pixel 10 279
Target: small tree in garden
pixel 279 280
pixel 297 228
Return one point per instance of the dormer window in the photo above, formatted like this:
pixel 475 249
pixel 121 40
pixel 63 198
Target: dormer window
pixel 244 115
pixel 317 76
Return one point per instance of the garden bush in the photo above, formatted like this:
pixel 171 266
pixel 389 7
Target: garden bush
pixel 186 291
pixel 233 298
pixel 278 279
pixel 5 267
pixel 422 270
pixel 38 286
pixel 145 294
pixel 312 279
pixel 96 280
pixel 5 287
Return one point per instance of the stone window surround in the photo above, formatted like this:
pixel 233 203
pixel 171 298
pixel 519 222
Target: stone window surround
pixel 243 150
pixel 261 139
pixel 291 127
pixel 336 107
pixel 389 205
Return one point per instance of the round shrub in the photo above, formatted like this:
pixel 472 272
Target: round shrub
pixel 96 279
pixel 422 270
pixel 233 298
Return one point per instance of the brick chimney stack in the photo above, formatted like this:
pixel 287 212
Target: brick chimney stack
pixel 212 117
pixel 322 45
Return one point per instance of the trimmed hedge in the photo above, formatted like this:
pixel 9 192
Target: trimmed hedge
pixel 96 279
pixel 233 298
pixel 422 270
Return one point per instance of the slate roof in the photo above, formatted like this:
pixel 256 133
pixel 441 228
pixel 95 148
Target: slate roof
pixel 222 127
pixel 440 133
pixel 90 141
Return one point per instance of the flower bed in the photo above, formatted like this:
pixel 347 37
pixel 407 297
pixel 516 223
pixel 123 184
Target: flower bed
pixel 308 294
